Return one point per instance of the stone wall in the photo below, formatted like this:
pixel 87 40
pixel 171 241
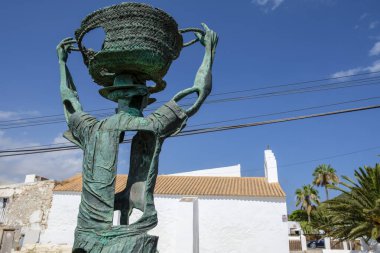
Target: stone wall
pixel 26 211
pixel 28 205
pixel 47 248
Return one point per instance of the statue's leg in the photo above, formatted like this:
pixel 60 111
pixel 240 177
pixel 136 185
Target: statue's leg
pixel 122 204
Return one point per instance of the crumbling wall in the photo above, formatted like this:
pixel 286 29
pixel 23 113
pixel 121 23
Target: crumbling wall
pixel 28 205
pixel 46 248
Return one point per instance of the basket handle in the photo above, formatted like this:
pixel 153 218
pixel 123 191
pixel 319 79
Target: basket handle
pixel 191 30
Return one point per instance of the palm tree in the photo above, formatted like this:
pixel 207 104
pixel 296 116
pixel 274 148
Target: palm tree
pixel 307 198
pixel 356 212
pixel 324 175
pixel 320 219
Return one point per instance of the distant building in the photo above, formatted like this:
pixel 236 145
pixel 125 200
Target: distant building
pixel 205 211
pixel 214 210
pixel 294 229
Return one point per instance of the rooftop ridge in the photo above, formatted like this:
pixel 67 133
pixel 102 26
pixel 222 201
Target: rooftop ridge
pixel 193 185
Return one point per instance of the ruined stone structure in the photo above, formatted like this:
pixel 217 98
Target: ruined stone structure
pixel 24 210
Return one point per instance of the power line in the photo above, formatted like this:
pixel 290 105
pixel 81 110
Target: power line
pixel 323 87
pixel 41 122
pixel 262 95
pixel 317 115
pixel 218 94
pixel 46 116
pixel 331 157
pixel 286 92
pixel 207 130
pixel 284 112
pixel 299 83
pixel 229 120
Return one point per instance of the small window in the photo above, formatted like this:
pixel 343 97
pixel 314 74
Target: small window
pixel 3 202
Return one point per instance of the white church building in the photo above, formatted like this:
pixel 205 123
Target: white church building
pixel 206 211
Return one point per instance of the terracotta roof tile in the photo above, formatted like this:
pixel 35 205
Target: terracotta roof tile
pixel 193 185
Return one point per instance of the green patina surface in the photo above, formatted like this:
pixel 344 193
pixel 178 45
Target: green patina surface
pixel 100 139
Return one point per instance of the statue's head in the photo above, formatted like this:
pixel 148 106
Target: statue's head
pixel 130 89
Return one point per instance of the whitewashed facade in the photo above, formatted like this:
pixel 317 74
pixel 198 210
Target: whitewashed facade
pixel 197 224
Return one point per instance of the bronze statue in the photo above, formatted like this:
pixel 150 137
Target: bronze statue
pixel 140 44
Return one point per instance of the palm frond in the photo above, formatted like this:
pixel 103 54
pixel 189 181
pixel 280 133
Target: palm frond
pixel 355 213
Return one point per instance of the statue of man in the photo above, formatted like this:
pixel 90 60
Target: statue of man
pixel 100 139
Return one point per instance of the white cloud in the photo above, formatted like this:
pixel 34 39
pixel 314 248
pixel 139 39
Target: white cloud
pixel 8 115
pixel 268 4
pixel 9 143
pixel 54 165
pixel 375 50
pixel 346 73
pixel 375 67
pixel 363 16
pixel 373 24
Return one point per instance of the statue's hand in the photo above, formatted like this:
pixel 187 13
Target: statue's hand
pixel 209 39
pixel 202 93
pixel 64 48
pixel 203 80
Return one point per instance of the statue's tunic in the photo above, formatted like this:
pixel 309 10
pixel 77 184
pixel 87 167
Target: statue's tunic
pixel 100 142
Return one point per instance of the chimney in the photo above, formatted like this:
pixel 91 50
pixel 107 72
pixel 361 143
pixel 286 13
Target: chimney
pixel 270 166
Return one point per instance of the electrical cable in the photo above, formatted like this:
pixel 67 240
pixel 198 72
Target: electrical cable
pixel 284 112
pixel 233 99
pixel 223 93
pixel 330 157
pixel 206 130
pixel 238 119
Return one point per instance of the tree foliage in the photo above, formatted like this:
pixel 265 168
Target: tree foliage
pixel 324 175
pixel 356 212
pixel 302 218
pixel 320 220
pixel 298 215
pixel 307 198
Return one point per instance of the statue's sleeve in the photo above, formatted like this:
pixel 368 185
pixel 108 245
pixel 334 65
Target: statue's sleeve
pixel 79 126
pixel 167 120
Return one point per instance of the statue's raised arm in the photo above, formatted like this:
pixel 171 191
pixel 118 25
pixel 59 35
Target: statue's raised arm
pixel 203 80
pixel 69 94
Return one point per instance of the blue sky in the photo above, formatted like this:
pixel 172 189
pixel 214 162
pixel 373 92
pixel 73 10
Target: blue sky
pixel 262 43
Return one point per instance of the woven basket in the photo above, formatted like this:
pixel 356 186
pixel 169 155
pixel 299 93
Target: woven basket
pixel 140 40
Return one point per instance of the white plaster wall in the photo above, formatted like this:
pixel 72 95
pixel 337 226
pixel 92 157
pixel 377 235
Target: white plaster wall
pixel 226 225
pixel 188 218
pixel 242 225
pixel 230 171
pixel 167 220
pixel 62 219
